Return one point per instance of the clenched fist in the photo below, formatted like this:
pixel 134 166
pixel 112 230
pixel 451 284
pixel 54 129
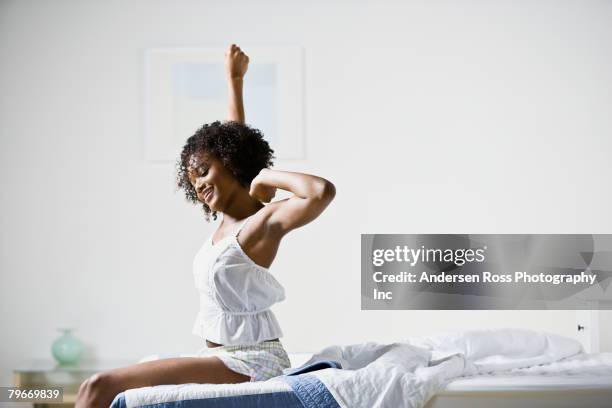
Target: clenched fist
pixel 236 62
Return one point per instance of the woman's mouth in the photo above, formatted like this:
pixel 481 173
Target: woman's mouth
pixel 207 194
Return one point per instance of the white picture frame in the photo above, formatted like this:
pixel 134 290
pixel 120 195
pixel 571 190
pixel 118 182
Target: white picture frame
pixel 186 88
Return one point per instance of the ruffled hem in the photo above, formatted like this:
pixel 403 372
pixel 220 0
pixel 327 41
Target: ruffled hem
pixel 237 329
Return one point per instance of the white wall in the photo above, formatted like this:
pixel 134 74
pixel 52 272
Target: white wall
pixel 438 117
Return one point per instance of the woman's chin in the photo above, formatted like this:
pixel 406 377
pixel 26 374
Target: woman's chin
pixel 213 205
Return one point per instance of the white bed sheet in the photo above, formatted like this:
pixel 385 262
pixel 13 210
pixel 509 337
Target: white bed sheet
pixel 581 381
pixel 599 398
pixel 526 383
pixel 583 371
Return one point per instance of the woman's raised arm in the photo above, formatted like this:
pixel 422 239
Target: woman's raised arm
pixel 312 194
pixel 236 65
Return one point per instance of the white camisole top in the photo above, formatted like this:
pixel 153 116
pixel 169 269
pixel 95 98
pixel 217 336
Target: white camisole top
pixel 235 295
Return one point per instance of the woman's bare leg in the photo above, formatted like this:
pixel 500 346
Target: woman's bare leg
pixel 99 390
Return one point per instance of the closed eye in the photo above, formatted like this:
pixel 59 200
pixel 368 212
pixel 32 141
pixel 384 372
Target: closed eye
pixel 200 172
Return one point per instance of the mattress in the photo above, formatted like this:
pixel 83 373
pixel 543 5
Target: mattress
pixel 526 383
pixel 525 391
pixel 582 381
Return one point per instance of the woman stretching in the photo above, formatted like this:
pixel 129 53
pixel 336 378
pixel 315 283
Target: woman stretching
pixel 225 167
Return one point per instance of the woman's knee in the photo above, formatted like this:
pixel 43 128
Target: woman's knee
pixel 94 391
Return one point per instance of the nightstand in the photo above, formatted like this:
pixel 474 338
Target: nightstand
pixel 47 373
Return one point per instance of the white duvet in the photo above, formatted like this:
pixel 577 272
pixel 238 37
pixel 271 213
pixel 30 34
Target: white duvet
pixel 581 365
pixel 407 374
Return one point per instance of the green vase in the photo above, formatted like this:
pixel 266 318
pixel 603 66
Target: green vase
pixel 67 349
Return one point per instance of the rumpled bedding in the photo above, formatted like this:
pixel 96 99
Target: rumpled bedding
pixel 402 374
pixel 409 373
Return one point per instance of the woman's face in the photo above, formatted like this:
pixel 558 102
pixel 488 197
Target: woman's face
pixel 213 183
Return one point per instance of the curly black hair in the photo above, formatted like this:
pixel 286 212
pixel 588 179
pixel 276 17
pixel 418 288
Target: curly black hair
pixel 240 147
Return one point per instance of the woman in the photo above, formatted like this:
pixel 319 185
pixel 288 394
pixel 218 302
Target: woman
pixel 224 166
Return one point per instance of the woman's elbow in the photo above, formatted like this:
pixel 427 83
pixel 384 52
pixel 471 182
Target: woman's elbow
pixel 327 191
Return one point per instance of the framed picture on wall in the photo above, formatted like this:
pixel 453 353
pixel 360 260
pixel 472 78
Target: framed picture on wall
pixel 186 87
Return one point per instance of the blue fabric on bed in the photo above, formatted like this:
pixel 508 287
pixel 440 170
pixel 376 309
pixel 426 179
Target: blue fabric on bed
pixel 119 401
pixel 309 389
pixel 308 392
pixel 311 392
pixel 269 400
pixel 306 368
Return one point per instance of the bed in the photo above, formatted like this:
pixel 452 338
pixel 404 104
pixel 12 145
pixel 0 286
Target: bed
pixel 475 392
pixel 581 380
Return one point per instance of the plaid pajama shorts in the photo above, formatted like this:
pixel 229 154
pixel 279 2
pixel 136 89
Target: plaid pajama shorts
pixel 260 362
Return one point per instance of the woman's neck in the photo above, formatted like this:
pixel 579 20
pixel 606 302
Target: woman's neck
pixel 241 208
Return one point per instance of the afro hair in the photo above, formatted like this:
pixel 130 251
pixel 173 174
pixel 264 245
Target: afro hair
pixel 240 147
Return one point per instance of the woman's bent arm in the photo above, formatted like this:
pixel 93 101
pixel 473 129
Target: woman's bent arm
pixel 312 195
